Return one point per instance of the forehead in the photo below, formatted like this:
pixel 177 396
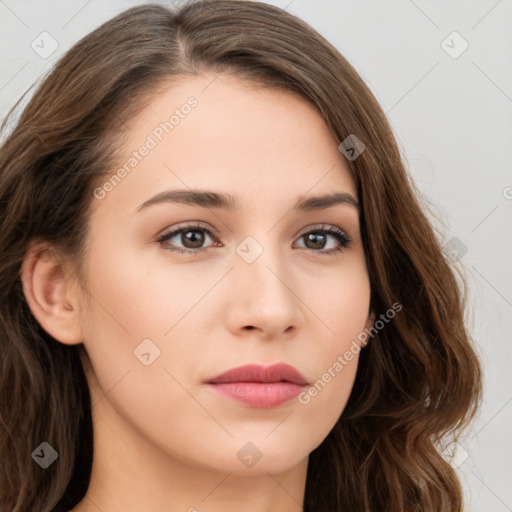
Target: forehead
pixel 217 132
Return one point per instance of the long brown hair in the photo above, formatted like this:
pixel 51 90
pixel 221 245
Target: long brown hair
pixel 419 379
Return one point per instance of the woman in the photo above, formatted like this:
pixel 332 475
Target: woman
pixel 219 291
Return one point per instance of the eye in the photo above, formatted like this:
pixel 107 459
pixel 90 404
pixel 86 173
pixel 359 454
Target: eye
pixel 318 238
pixel 193 236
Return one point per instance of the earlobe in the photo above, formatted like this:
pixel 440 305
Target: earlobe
pixel 371 320
pixel 50 295
pixel 368 325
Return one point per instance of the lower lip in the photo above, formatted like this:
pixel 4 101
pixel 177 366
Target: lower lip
pixel 259 394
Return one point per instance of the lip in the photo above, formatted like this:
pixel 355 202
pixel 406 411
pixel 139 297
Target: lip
pixel 260 386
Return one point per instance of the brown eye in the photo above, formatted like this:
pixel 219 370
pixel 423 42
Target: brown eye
pixel 191 238
pixel 317 239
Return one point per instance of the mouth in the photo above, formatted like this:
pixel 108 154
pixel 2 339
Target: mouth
pixel 259 386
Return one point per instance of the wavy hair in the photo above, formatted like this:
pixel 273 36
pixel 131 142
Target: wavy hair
pixel 418 382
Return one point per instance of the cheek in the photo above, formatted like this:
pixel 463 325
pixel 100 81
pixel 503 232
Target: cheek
pixel 132 297
pixel 340 300
pixel 342 310
pixel 324 400
pixel 134 309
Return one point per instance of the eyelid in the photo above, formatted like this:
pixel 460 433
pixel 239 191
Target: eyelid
pixel 193 224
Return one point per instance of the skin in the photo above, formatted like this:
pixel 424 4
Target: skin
pixel 162 439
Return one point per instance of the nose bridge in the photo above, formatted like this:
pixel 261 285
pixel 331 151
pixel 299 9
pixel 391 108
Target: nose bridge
pixel 260 263
pixel 264 297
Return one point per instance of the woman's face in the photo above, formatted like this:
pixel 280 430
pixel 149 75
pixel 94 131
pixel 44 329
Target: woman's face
pixel 163 319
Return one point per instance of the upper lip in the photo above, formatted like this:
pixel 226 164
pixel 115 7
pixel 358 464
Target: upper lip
pixel 256 373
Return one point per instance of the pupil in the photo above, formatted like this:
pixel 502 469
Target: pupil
pixel 191 236
pixel 314 237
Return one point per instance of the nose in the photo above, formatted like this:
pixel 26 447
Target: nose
pixel 265 299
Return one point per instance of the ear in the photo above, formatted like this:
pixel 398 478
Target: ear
pixel 370 320
pixel 368 325
pixel 51 293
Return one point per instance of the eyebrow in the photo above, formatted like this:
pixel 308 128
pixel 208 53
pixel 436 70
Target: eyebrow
pixel 210 199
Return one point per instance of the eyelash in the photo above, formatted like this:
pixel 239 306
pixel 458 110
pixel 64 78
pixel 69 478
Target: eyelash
pixel 343 239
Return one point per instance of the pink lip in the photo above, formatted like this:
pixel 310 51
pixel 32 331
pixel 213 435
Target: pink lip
pixel 260 386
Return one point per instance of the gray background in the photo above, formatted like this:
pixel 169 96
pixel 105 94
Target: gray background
pixel 452 116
